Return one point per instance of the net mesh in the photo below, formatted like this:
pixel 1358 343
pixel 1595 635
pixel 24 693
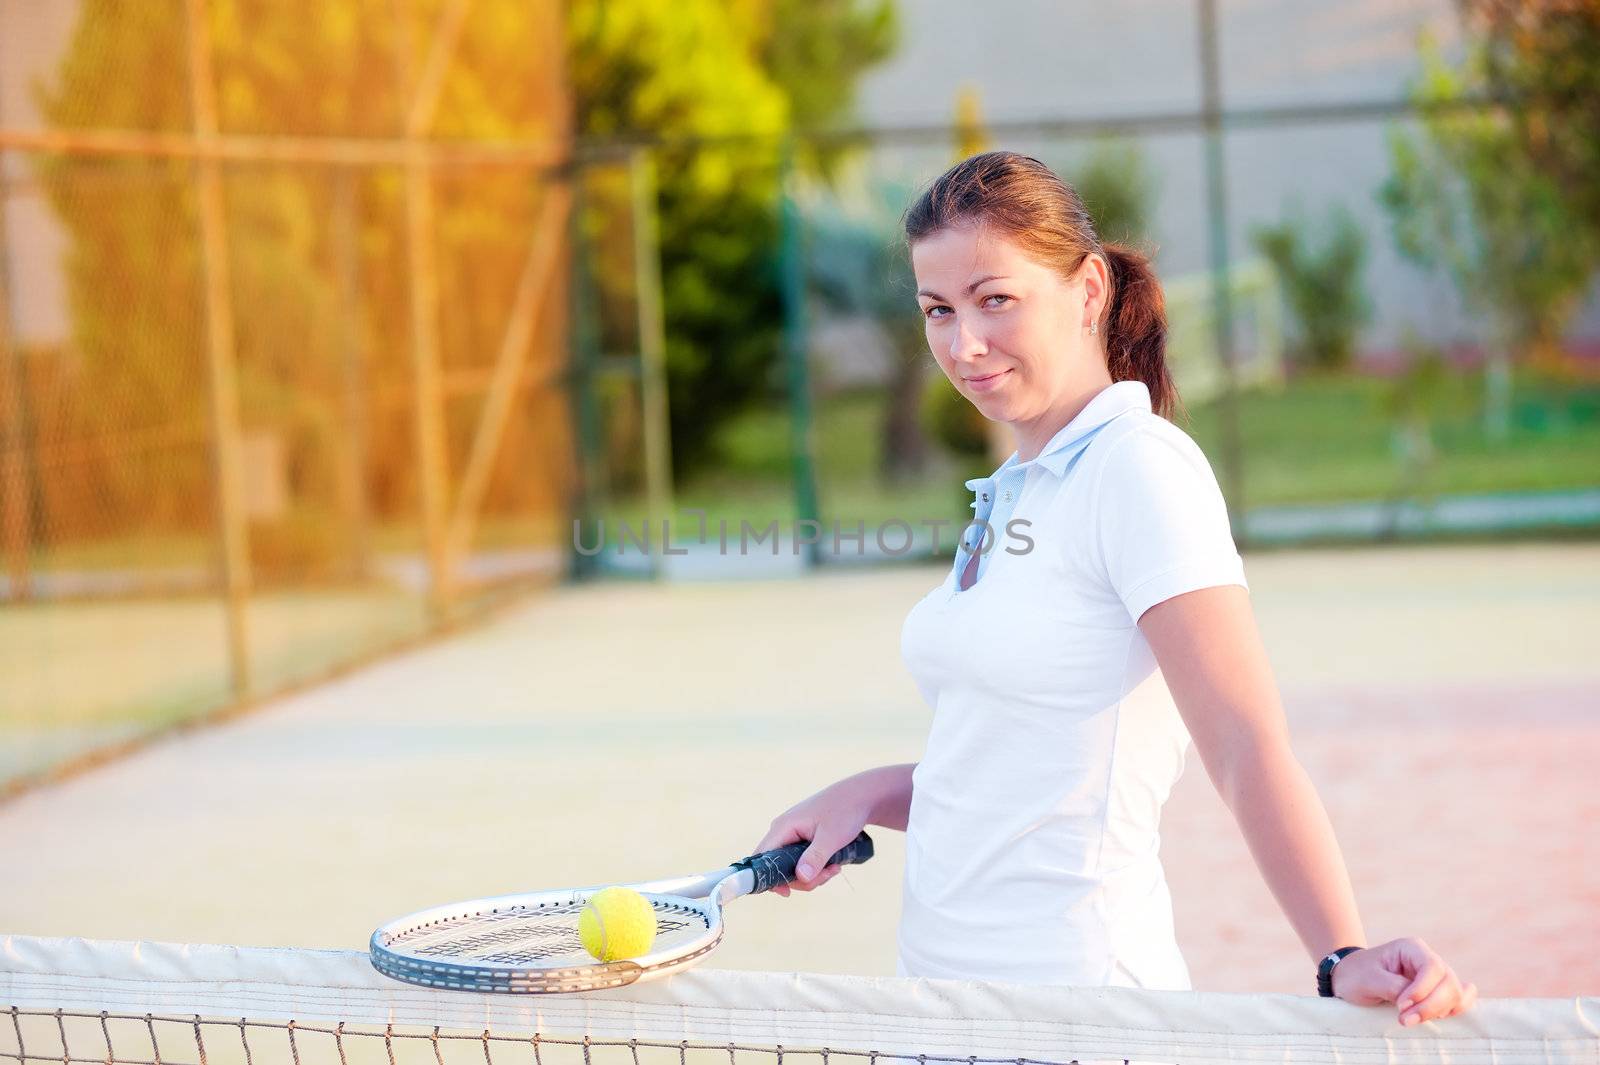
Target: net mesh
pixel 73 1000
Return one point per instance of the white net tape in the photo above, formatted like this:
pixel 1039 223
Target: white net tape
pixel 755 1012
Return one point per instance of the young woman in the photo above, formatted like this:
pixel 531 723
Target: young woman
pixel 1095 619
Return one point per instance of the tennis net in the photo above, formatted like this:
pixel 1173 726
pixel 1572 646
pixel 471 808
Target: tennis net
pixel 72 1001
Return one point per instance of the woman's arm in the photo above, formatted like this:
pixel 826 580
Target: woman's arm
pixel 833 816
pixel 1211 655
pixel 893 784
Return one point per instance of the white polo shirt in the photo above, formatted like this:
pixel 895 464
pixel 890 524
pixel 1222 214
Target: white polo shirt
pixel 1032 844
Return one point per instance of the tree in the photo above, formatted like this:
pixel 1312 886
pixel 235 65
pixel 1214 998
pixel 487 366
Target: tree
pixel 1321 285
pixel 1543 58
pixel 673 68
pixel 750 72
pixel 134 274
pixel 859 266
pixel 1466 198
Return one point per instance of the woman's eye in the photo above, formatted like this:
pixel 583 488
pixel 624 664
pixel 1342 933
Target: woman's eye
pixel 930 312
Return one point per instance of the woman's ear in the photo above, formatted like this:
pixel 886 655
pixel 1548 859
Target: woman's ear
pixel 1096 286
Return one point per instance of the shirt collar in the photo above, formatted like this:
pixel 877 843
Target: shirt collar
pixel 1108 403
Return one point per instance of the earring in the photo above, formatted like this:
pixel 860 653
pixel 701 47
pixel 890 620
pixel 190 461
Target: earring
pixel 1094 328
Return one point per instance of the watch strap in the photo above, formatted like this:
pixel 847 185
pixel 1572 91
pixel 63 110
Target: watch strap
pixel 1325 970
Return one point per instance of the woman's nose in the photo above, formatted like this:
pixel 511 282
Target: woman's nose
pixel 964 343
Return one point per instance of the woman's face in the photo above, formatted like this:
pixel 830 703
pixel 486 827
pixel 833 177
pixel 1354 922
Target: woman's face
pixel 1011 334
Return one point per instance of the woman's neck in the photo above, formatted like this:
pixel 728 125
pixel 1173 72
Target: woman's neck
pixel 1033 435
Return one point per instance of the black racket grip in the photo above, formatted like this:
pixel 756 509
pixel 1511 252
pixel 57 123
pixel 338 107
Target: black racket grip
pixel 777 866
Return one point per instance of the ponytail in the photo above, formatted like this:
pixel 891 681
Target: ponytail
pixel 1136 327
pixel 1028 203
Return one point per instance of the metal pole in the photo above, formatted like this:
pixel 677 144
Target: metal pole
pixel 653 395
pixel 16 497
pixel 352 439
pixel 552 153
pixel 972 139
pixel 222 376
pixel 1217 201
pixel 581 371
pixel 433 471
pixel 793 287
pixel 433 475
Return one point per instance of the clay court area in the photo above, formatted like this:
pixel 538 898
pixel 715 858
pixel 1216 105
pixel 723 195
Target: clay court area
pixel 1445 700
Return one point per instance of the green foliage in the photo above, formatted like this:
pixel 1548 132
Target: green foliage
pixel 816 53
pixel 1419 400
pixel 673 68
pixel 295 233
pixel 953 420
pixel 858 265
pixel 1428 390
pixel 1546 57
pixel 1321 286
pixel 1467 199
pixel 1118 187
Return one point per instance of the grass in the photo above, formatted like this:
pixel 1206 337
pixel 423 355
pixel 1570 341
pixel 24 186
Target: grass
pixel 1323 440
pixel 752 479
pixel 1317 440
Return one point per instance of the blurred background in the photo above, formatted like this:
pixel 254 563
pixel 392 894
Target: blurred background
pixel 329 329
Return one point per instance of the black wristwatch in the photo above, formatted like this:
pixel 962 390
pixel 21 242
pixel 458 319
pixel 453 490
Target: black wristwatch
pixel 1325 970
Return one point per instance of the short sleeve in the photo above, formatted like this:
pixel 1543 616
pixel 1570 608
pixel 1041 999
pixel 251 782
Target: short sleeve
pixel 1161 521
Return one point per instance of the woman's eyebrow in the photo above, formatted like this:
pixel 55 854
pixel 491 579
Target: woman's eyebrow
pixel 970 288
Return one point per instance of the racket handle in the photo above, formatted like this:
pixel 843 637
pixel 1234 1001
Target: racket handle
pixel 777 866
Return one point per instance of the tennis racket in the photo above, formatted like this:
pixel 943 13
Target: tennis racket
pixel 529 943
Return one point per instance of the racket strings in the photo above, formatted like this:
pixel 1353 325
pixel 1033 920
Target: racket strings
pixel 543 936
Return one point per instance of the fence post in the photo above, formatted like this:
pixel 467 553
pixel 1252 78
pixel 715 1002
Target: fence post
pixel 581 373
pixel 653 393
pixel 352 441
pixel 792 284
pixel 427 399
pixel 222 377
pixel 1217 198
pixel 16 501
pixel 433 469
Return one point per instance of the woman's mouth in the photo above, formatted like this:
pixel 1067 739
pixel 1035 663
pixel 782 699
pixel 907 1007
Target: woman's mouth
pixel 987 382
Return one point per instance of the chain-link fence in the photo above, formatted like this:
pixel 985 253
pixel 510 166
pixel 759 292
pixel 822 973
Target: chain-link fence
pixel 282 370
pixel 287 377
pixel 1343 392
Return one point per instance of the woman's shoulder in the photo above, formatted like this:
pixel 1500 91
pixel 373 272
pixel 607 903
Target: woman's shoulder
pixel 1141 444
pixel 1139 466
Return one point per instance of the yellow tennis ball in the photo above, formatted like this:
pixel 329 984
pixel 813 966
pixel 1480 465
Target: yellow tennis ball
pixel 617 922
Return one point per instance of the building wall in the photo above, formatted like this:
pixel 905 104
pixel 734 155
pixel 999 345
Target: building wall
pixel 1030 59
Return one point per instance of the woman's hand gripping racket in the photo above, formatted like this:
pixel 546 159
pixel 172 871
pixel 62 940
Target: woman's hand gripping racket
pixel 529 943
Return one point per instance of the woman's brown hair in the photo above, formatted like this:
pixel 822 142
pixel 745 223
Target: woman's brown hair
pixel 1025 201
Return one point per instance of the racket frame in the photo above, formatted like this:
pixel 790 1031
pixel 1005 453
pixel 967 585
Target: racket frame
pixel 703 895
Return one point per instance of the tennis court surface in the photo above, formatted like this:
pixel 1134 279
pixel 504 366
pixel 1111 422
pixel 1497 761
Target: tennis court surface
pixel 1443 700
